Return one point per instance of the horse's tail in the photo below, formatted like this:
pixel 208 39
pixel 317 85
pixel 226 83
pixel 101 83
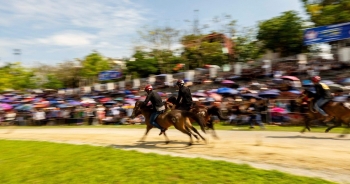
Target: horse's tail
pixel 196 118
pixel 216 111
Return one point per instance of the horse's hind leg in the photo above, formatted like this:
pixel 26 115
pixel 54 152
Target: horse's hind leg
pixel 211 126
pixel 194 135
pixel 337 124
pixel 196 131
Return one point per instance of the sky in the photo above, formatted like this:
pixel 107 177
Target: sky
pixel 51 32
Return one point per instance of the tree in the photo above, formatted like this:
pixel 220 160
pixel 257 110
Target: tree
pixel 283 34
pixel 326 12
pixel 246 45
pixel 143 65
pixel 15 76
pixel 92 65
pixel 160 41
pixel 52 82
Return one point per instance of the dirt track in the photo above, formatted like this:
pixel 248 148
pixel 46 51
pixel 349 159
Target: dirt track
pixel 313 154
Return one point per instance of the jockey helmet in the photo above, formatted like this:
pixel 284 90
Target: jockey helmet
pixel 148 88
pixel 180 82
pixel 316 79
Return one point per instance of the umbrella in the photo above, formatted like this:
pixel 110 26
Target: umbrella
pixel 105 100
pixel 345 81
pixel 119 99
pixel 227 82
pixel 61 106
pixel 131 96
pixel 227 91
pixel 328 82
pixel 295 92
pixel 307 83
pixel 269 94
pixel 25 107
pixel 210 99
pixel 278 110
pixel 199 94
pixel 336 87
pixel 213 91
pixel 217 97
pixel 250 95
pixel 5 106
pixel 6 100
pixel 74 103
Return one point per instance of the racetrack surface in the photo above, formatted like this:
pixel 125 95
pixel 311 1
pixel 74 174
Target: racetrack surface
pixel 311 154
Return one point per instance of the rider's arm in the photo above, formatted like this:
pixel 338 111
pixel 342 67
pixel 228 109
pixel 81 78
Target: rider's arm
pixel 179 96
pixel 148 98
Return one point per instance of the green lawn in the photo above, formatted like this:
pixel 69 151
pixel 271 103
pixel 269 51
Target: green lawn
pixel 217 127
pixel 42 162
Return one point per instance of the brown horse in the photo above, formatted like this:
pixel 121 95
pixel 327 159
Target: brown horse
pixel 205 112
pixel 337 110
pixel 176 118
pixel 310 115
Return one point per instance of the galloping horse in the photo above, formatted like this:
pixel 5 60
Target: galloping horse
pixel 204 112
pixel 338 110
pixel 176 118
pixel 307 108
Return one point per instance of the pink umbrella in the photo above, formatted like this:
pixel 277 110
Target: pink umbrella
pixel 227 82
pixel 5 106
pixel 199 94
pixel 216 97
pixel 278 110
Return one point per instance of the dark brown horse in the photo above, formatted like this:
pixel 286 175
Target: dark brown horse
pixel 205 112
pixel 337 110
pixel 176 118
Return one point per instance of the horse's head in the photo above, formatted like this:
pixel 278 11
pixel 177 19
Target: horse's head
pixel 304 97
pixel 137 109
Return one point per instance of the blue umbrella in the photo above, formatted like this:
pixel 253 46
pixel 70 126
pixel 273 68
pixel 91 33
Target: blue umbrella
pixel 225 90
pixel 269 94
pixel 307 83
pixel 74 103
pixel 295 92
pixel 26 107
pixel 345 81
pixel 130 96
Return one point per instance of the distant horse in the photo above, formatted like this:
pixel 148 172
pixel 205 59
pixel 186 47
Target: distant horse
pixel 176 118
pixel 338 110
pixel 205 112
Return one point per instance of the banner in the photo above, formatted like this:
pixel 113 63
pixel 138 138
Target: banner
pixel 327 33
pixel 109 75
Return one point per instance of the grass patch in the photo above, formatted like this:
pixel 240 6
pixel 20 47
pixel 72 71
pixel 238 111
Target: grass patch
pixel 217 127
pixel 44 162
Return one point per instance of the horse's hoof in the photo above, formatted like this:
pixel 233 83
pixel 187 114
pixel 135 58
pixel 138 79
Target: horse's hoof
pixel 326 131
pixel 167 142
pixel 341 136
pixel 190 144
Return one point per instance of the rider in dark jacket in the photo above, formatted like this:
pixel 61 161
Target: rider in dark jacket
pixel 323 95
pixel 184 98
pixel 157 104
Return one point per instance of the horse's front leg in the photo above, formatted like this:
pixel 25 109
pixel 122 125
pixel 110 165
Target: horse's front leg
pixel 166 138
pixel 148 128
